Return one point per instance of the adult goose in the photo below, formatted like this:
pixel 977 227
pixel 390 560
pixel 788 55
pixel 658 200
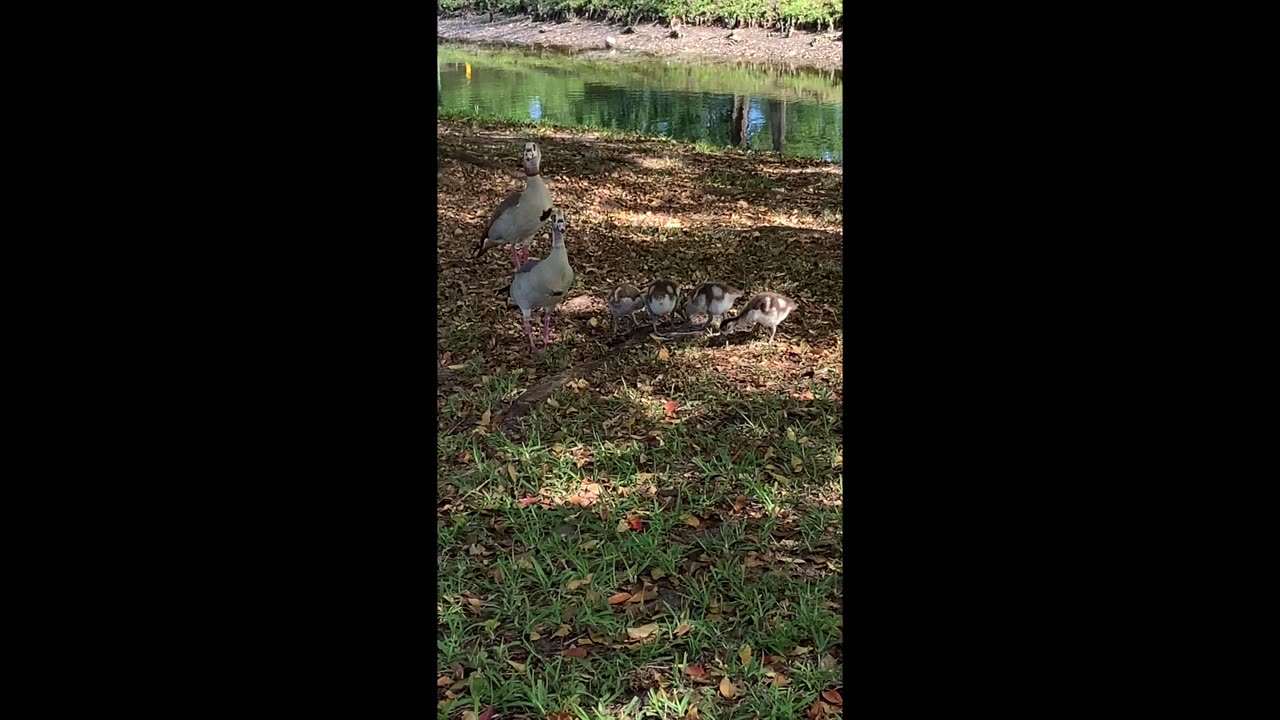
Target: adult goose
pixel 543 283
pixel 520 216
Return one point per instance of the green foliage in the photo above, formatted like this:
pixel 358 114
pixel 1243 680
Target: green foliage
pixel 811 14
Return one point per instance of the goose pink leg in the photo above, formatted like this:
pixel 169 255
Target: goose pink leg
pixel 546 328
pixel 528 332
pixel 515 257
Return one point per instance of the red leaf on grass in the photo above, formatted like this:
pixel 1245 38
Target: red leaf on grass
pixel 636 524
pixel 488 713
pixel 833 697
pixel 695 671
pixel 528 500
pixel 669 408
pixel 574 652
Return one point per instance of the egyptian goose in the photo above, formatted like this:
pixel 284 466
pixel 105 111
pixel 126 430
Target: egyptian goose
pixel 520 216
pixel 543 283
pixel 625 300
pixel 767 308
pixel 711 299
pixel 660 299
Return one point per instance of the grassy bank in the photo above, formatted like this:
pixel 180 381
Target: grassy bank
pixel 661 535
pixel 802 14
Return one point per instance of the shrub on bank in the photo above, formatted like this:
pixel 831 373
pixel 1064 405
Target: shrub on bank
pixel 803 14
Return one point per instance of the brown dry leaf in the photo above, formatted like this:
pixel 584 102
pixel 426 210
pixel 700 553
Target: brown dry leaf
pixel 444 681
pixel 695 671
pixel 534 636
pixel 643 477
pixel 739 503
pixel 657 574
pixel 690 520
pixel 551 402
pixel 511 470
pixel 484 419
pixel 796 465
pixel 838 462
pixel 563 631
pixel 469 715
pixel 779 679
pixel 574 652
pixel 664 354
pixel 692 714
pixel 623 525
pixel 684 628
pixel 476 604
pixel 619 598
pixel 594 488
pixel 744 654
pixel 799 650
pixel 669 408
pixel 637 598
pixel 817 709
pixel 791 435
pixel 727 689
pixel 833 697
pixel 776 476
pixel 574 584
pixel 457 367
pixel 518 666
pixel 593 322
pixel 642 632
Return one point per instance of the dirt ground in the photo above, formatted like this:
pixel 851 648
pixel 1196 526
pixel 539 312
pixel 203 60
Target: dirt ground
pixel 802 49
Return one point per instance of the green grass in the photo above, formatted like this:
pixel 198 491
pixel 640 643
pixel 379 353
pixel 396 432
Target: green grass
pixel 816 14
pixel 761 567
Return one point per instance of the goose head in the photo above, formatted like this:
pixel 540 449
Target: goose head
pixel 532 158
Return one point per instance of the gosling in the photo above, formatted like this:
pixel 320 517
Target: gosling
pixel 625 300
pixel 711 299
pixel 768 309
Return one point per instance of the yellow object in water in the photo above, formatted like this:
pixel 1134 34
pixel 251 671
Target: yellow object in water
pixel 468 71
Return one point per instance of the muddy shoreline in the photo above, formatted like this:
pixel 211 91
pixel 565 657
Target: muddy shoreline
pixel 802 49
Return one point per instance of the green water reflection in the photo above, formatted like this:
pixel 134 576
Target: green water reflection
pixel 763 107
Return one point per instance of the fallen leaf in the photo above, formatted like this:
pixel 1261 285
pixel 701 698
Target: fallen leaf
pixel 624 525
pixel 552 403
pixel 642 632
pixel 796 464
pixel 833 697
pixel 657 574
pixel 457 367
pixel 791 435
pixel 744 654
pixel 594 488
pixel 727 689
pixel 518 666
pixel 817 710
pixel 593 322
pixel 562 631
pixel 575 584
pixel 669 408
pixel 444 681
pixel 799 650
pixel 484 419
pixel 806 395
pixel 838 462
pixel 739 503
pixel 779 679
pixel 535 635
pixel 476 604
pixel 619 598
pixel 663 354
pixel 690 520
pixel 574 652
pixel 636 524
pixel 529 500
pixel 695 671
pixel 692 714
pixel 511 470
pixel 469 715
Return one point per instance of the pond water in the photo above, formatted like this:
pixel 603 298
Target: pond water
pixel 797 112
